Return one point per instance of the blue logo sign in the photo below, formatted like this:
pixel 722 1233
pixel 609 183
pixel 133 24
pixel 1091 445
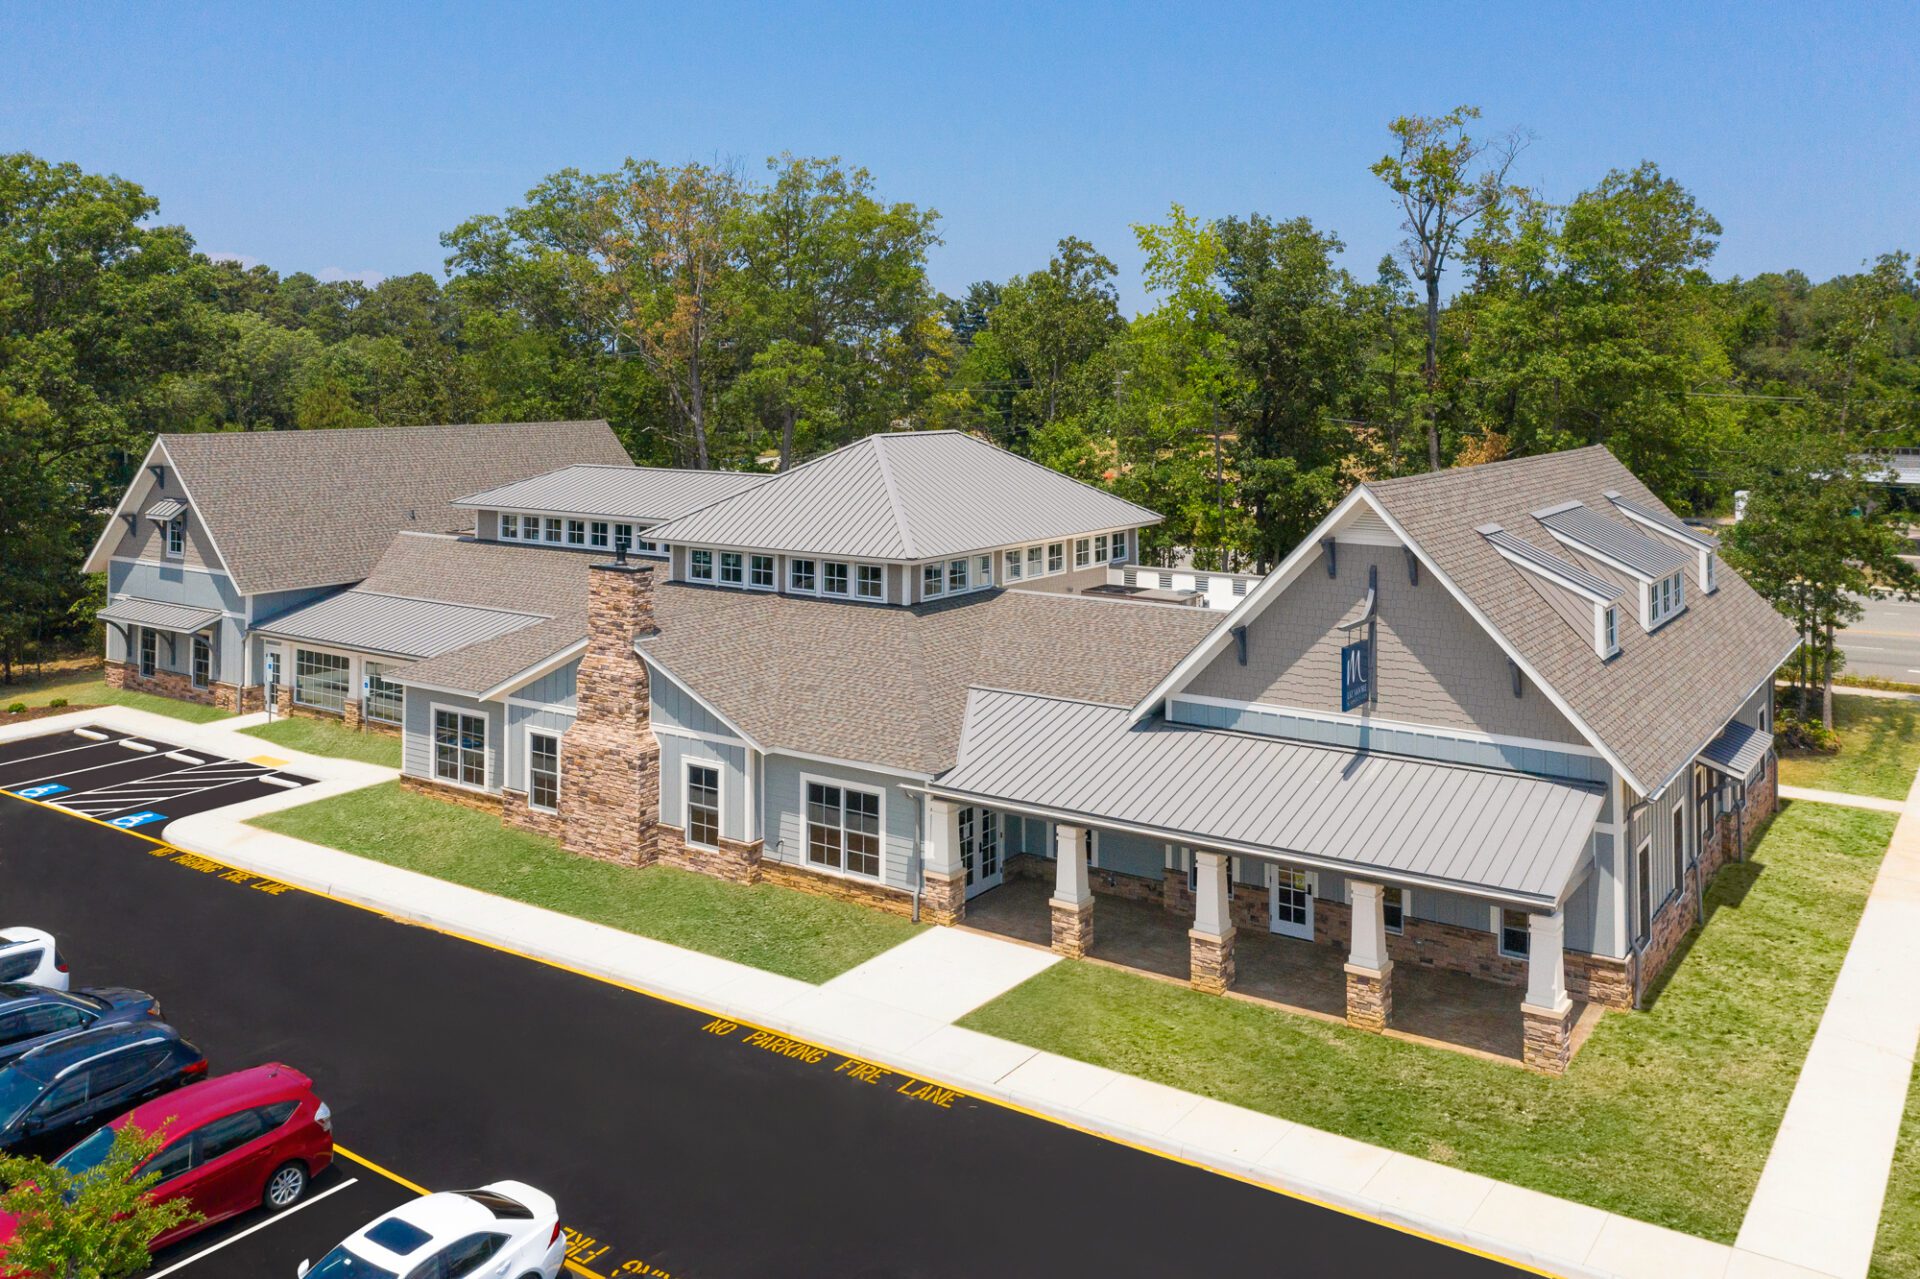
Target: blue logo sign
pixel 1356 674
pixel 137 819
pixel 41 792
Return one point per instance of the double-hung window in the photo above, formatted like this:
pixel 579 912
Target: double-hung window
pixel 834 578
pixel 1679 845
pixel 760 573
pixel 703 805
pixel 957 575
pixel 843 829
pixel 1014 562
pixel 149 650
pixel 1514 934
pixel 1393 906
pixel 320 680
pixel 176 537
pixel 870 582
pixel 460 747
pixel 732 568
pixel 801 577
pixel 1036 561
pixel 543 771
pixel 700 565
pixel 597 535
pixel 510 527
pixel 1100 547
pixel 1082 552
pixel 385 699
pixel 202 661
pixel 933 580
pixel 1056 557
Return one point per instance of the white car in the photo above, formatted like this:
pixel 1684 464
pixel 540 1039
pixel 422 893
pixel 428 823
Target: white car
pixel 30 955
pixel 507 1230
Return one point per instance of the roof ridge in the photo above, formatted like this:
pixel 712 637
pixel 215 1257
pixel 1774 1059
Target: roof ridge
pixel 429 599
pixel 1041 466
pixel 900 521
pixel 303 432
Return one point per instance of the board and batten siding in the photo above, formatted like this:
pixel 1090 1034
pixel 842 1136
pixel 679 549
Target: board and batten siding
pixel 676 753
pixel 416 744
pixel 672 707
pixel 786 820
pixel 176 583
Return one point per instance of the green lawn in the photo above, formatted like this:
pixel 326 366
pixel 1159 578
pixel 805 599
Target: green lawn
pixel 1897 1251
pixel 1879 749
pixel 330 737
pixel 90 690
pixel 1666 1115
pixel 778 929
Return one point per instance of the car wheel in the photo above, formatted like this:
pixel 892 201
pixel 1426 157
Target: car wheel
pixel 287 1186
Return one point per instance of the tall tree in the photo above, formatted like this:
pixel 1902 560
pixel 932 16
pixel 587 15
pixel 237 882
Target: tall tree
pixel 1445 180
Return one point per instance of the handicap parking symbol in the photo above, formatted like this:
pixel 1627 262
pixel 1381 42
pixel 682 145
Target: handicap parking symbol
pixel 41 792
pixel 137 819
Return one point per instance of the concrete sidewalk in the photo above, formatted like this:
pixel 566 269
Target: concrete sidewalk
pixel 897 1010
pixel 1823 1189
pixel 1846 799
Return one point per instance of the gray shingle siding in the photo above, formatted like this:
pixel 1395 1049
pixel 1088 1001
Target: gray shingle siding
pixel 1435 665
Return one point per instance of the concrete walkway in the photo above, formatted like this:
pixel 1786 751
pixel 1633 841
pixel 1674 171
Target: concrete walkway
pixel 1821 1194
pixel 897 1010
pixel 1846 799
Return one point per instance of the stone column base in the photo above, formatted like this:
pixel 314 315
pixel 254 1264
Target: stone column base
pixel 1549 1037
pixel 116 675
pixel 943 898
pixel 350 712
pixel 1210 961
pixel 1072 927
pixel 283 699
pixel 1369 996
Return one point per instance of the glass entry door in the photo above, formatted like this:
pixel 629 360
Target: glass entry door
pixel 1290 908
pixel 980 848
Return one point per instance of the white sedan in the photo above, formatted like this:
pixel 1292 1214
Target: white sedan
pixel 507 1230
pixel 30 955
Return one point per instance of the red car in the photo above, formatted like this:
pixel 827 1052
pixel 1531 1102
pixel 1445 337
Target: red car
pixel 255 1138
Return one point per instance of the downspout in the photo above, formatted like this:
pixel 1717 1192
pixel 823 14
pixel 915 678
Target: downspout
pixel 1633 861
pixel 916 863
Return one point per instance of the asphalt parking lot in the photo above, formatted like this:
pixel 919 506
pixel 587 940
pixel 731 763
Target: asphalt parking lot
pixel 676 1143
pixel 134 783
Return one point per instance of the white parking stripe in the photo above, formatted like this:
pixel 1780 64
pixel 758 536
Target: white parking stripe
pixel 185 758
pixel 64 750
pixel 88 732
pixel 282 781
pixel 132 745
pixel 106 800
pixel 277 1217
pixel 75 772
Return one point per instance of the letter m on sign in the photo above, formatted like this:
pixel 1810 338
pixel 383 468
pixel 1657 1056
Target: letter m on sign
pixel 1356 674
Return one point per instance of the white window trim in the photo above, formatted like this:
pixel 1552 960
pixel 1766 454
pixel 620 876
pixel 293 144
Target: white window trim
pixel 773 571
pixel 1406 908
pixel 713 564
pixel 807 863
pixel 1500 932
pixel 176 529
pixel 1600 615
pixel 938 569
pixel 486 747
pixel 366 693
pixel 720 568
pixel 790 588
pixel 719 802
pixel 293 674
pixel 559 763
pixel 600 534
pixel 886 593
pixel 194 642
pixel 821 579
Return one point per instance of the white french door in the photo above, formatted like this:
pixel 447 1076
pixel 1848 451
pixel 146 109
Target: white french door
pixel 980 849
pixel 1290 901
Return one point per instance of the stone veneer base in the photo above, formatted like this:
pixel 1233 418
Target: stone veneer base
pixel 1370 997
pixel 839 887
pixel 732 861
pixel 943 898
pixel 1548 1045
pixel 1210 966
pixel 1072 927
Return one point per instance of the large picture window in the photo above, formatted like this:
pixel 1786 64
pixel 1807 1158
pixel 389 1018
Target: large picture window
pixel 843 828
pixel 320 680
pixel 460 747
pixel 703 805
pixel 543 771
pixel 385 700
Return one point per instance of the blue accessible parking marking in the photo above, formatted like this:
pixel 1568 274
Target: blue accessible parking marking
pixel 41 792
pixel 137 819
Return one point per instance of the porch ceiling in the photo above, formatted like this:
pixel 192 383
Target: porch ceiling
pixel 1405 820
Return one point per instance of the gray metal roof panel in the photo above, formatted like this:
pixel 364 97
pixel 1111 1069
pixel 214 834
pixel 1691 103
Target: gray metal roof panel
pixel 165 509
pixel 1671 526
pixel 907 496
pixel 1613 540
pixel 1504 833
pixel 396 624
pixel 128 611
pixel 640 493
pixel 1551 564
pixel 1739 750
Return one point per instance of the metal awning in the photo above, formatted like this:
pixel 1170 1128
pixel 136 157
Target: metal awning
pixel 1738 752
pixel 165 509
pixel 124 610
pixel 1506 836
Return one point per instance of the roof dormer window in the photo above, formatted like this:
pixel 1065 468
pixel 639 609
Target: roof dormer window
pixel 176 537
pixel 1664 600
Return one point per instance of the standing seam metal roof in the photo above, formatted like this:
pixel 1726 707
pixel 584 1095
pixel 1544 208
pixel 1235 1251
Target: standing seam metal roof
pixel 128 611
pixel 1547 562
pixel 1613 540
pixel 1501 832
pixel 397 624
pixel 649 493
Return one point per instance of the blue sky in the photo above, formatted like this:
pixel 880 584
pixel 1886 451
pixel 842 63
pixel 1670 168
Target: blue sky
pixel 344 138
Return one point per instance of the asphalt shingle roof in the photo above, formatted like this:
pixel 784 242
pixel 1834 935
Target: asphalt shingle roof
pixel 888 685
pixel 1665 695
pixel 907 496
pixel 292 509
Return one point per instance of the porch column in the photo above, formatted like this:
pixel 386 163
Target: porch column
pixel 1072 903
pixel 1369 970
pixel 1547 1012
pixel 943 889
pixel 1210 941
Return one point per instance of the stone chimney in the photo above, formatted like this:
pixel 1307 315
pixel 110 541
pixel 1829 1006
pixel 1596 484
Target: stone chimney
pixel 610 774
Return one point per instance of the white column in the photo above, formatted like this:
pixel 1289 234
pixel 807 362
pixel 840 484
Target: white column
pixel 1369 925
pixel 1210 914
pixel 1546 971
pixel 941 854
pixel 1070 865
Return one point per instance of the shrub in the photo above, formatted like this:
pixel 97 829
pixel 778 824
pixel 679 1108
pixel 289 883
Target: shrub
pixel 56 703
pixel 16 708
pixel 1791 732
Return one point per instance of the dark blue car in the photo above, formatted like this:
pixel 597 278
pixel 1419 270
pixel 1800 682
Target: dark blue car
pixel 60 1092
pixel 33 1015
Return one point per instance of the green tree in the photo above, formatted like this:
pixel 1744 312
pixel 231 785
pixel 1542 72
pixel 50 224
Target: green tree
pixel 1044 329
pixel 90 1224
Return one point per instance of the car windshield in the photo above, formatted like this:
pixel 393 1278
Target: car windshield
pixel 18 1090
pixel 341 1264
pixel 89 1154
pixel 89 1001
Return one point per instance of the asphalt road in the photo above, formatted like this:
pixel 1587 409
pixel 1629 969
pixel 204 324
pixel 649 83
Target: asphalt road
pixel 676 1144
pixel 1885 641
